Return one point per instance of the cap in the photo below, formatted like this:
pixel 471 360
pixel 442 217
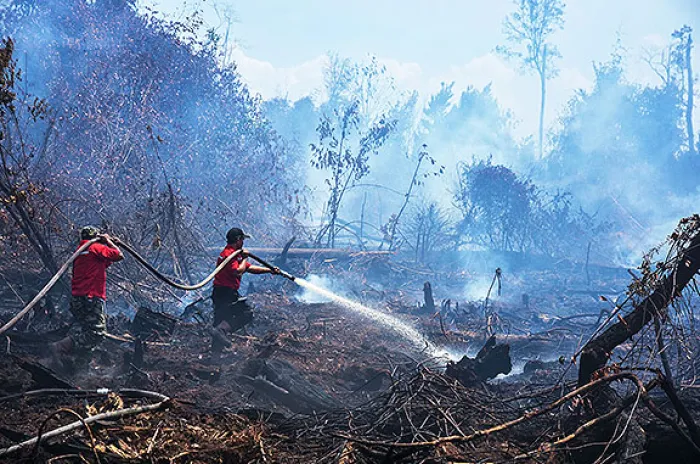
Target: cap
pixel 89 232
pixel 234 234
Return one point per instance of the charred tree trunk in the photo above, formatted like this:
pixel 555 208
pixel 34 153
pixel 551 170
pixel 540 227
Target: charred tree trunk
pixel 429 301
pixel 588 256
pixel 178 243
pixel 690 104
pixel 598 350
pixel 282 258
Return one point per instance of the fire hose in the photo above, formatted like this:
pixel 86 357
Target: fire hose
pixel 171 282
pixel 284 274
pixel 141 261
pixel 47 287
pixel 201 284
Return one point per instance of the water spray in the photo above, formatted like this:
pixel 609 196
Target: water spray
pixel 387 320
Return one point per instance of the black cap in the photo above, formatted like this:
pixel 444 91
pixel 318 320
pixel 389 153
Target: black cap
pixel 89 232
pixel 234 234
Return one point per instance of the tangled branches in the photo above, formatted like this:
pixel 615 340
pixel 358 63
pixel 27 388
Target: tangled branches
pixel 428 417
pixel 661 285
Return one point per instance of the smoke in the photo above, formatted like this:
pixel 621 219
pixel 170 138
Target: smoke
pixel 612 147
pixel 308 296
pixel 478 286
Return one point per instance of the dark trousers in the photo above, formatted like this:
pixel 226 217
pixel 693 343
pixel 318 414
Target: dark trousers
pixel 230 307
pixel 90 324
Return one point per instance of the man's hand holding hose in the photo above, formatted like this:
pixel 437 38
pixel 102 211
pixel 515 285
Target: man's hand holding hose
pixel 269 268
pixel 266 268
pixel 111 242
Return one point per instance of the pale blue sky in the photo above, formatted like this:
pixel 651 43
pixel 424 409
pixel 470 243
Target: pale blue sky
pixel 282 42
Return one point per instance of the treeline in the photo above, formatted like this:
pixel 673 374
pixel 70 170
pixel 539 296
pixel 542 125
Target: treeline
pixel 116 116
pixel 621 160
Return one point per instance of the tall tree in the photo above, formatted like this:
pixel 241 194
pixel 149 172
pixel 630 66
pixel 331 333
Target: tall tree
pixel 528 30
pixel 355 122
pixel 681 55
pixel 343 150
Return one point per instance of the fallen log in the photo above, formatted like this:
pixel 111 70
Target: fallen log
pixel 306 253
pixel 597 351
pixel 281 382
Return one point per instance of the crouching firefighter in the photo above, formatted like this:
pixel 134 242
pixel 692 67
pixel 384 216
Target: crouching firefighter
pixel 88 294
pixel 231 311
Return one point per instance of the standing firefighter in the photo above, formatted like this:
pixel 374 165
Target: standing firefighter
pixel 231 311
pixel 88 290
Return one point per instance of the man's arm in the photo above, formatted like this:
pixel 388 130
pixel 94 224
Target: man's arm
pixel 262 270
pixel 110 250
pixel 253 269
pixel 240 268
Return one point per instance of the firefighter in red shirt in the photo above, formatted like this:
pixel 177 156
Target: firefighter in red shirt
pixel 88 290
pixel 231 311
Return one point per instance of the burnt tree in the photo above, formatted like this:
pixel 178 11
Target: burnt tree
pixel 597 352
pixel 18 153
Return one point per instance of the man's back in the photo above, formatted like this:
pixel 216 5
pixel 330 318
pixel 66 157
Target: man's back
pixel 90 270
pixel 229 276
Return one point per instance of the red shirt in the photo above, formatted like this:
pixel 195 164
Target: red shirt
pixel 90 270
pixel 228 276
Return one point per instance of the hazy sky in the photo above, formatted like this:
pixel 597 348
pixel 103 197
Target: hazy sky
pixel 281 44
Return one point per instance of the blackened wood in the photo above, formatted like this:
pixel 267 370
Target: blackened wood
pixel 429 301
pixel 598 350
pixel 148 323
pixel 492 359
pixel 42 376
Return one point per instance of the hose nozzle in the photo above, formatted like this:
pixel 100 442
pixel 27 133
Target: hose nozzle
pixel 287 275
pixel 284 274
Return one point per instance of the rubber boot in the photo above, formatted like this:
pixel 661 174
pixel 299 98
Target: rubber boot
pixel 219 338
pixel 60 354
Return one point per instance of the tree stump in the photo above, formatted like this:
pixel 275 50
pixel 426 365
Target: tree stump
pixel 492 359
pixel 148 323
pixel 429 301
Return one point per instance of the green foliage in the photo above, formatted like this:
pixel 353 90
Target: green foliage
pixel 682 40
pixel 501 211
pixel 628 137
pixel 343 151
pixel 528 29
pixel 475 120
pixel 353 124
pixel 495 206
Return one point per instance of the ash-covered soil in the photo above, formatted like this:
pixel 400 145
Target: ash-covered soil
pixel 315 382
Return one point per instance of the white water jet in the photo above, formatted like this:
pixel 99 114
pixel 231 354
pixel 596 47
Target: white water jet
pixel 389 321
